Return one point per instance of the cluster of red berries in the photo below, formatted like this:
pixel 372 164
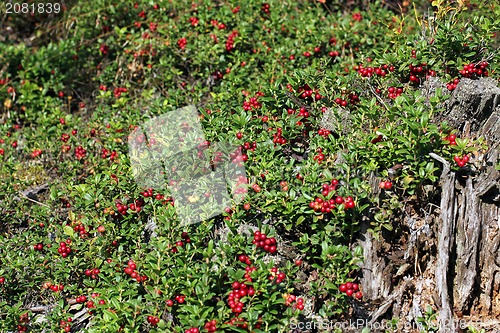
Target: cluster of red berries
pixel 149 194
pixel 153 320
pixel 90 305
pixel 276 276
pixel 194 21
pixel 211 326
pixel 80 152
pixel 178 298
pixel 471 70
pixel 278 137
pixel 248 270
pixel 118 91
pixel 393 92
pixel 243 258
pixel 353 98
pixel 230 40
pixel 302 112
pixel 250 146
pixel 385 185
pixel 357 17
pixel 23 319
pixel 451 139
pixel 453 84
pixel 220 26
pixel 265 8
pixel 237 156
pixel 92 273
pixel 182 42
pixel 66 324
pixel 217 75
pixel 64 250
pixel 341 102
pixel 104 49
pixel 420 71
pixel 251 104
pixel 461 161
pixel 326 206
pixel 307 92
pixel 239 290
pixel 291 299
pixel 284 185
pixel 262 241
pixel 192 330
pixel 351 289
pixel 56 288
pixel 111 154
pixel 334 54
pixel 36 153
pixel 185 237
pixel 103 88
pixel 320 157
pixel 80 228
pixel 134 207
pixel 38 247
pixel 131 270
pixel 370 71
pixel 81 299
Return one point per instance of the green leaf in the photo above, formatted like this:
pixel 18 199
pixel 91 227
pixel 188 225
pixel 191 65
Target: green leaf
pixel 69 231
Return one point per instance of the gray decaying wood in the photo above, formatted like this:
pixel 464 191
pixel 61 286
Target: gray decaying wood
pixel 467 246
pixel 454 265
pixel 474 101
pixel 445 240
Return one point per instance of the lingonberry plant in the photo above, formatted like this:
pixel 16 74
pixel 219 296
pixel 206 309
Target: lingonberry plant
pixel 318 98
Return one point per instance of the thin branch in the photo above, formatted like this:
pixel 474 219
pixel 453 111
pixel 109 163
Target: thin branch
pixel 33 200
pixel 378 97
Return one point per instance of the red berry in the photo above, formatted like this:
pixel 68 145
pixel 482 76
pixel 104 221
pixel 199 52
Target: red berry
pixel 358 295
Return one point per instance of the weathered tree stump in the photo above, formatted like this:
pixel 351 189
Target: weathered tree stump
pixel 452 251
